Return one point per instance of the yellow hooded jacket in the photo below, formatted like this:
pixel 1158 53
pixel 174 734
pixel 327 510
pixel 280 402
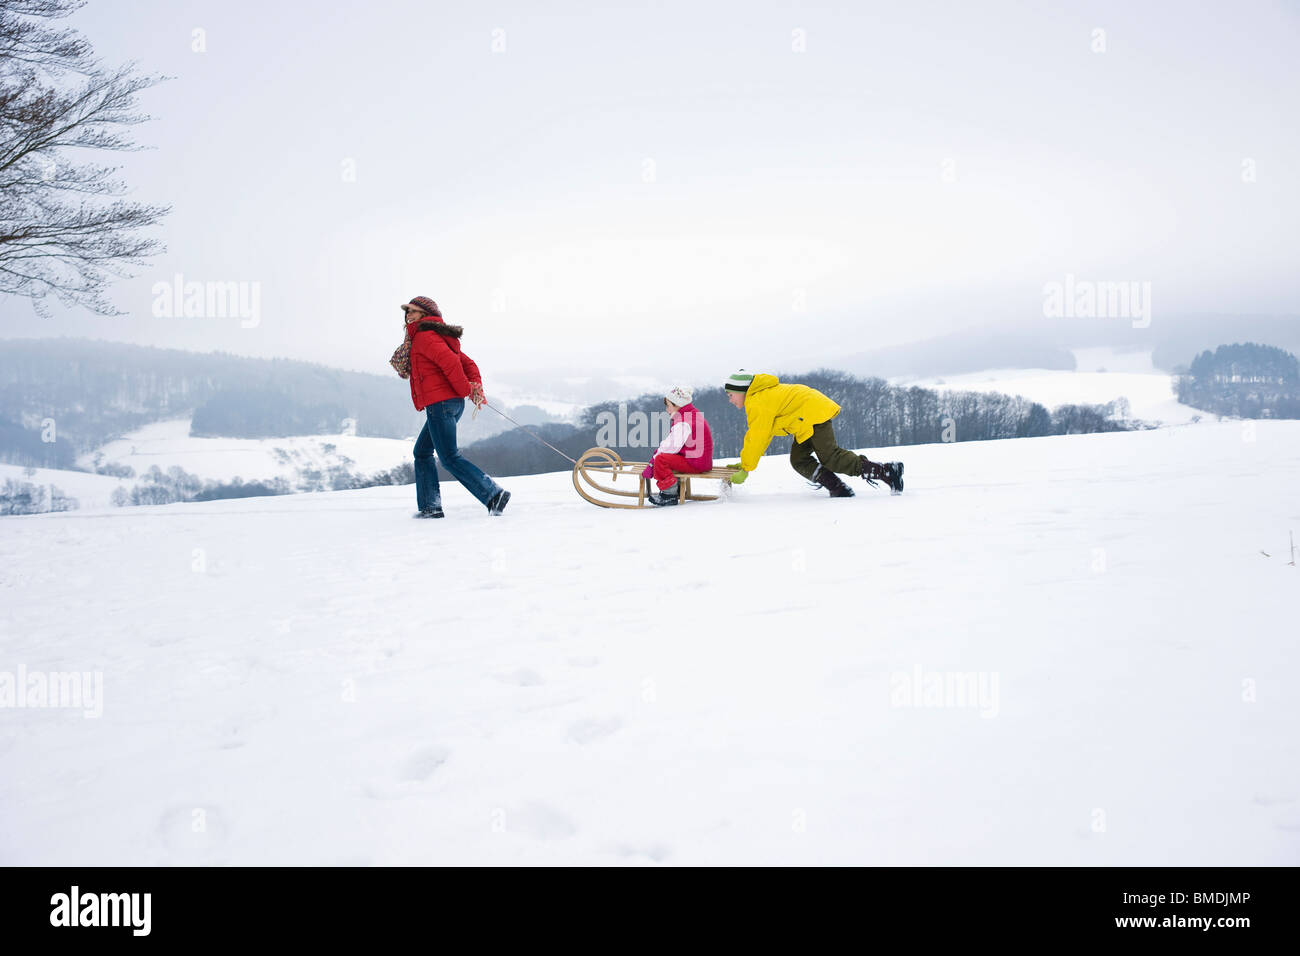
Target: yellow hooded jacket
pixel 773 409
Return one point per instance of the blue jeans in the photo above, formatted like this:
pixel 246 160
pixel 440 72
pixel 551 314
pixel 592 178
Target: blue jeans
pixel 439 433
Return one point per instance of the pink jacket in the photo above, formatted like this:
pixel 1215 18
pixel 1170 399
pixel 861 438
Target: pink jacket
pixel 689 437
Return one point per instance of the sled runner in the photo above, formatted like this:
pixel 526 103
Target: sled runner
pixel 598 465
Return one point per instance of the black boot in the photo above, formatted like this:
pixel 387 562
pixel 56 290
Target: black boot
pixel 896 477
pixel 874 471
pixel 497 503
pixel 434 512
pixel 665 498
pixel 831 482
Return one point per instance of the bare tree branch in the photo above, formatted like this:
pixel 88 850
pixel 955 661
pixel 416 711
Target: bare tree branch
pixel 54 98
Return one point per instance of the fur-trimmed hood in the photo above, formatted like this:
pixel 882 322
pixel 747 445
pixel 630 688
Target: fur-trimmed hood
pixel 442 328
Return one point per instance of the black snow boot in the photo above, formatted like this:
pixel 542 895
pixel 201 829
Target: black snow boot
pixel 890 473
pixel 435 512
pixel 831 482
pixel 665 498
pixel 896 477
pixel 497 503
pixel 873 471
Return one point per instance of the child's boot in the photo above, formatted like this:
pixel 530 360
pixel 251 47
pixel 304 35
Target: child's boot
pixel 665 497
pixel 831 482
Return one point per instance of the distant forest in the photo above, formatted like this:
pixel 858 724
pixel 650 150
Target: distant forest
pixel 874 414
pixel 1243 381
pixel 83 394
pixel 28 498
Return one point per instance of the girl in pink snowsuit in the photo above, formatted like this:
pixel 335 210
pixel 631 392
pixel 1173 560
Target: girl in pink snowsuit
pixel 688 446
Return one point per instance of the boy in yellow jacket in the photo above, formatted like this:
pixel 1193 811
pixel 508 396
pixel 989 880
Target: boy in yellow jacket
pixel 800 411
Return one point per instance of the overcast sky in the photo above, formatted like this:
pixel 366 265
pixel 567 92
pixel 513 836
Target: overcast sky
pixel 684 188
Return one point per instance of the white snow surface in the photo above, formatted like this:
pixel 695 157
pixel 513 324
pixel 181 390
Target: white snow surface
pixel 90 490
pixel 167 444
pixel 320 679
pixel 1102 376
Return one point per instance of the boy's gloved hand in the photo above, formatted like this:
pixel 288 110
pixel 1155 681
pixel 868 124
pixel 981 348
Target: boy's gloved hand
pixel 738 478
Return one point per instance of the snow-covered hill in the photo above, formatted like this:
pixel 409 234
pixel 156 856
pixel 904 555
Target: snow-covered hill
pixel 304 461
pixel 89 490
pixel 1073 650
pixel 168 444
pixel 1102 376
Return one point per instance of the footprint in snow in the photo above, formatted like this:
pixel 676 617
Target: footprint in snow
pixel 539 821
pixel 656 852
pixel 524 677
pixel 410 775
pixel 585 731
pixel 421 764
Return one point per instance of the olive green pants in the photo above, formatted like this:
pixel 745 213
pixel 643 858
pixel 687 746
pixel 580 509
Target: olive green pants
pixel 823 445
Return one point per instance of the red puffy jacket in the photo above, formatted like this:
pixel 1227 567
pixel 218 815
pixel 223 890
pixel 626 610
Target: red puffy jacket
pixel 439 369
pixel 698 450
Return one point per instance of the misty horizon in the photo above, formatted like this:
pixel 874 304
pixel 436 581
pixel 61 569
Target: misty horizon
pixel 775 187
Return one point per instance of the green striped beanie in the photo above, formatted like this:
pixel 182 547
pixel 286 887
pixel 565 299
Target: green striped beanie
pixel 738 381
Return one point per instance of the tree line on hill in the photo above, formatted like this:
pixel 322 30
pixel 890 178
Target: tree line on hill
pixel 62 398
pixel 92 391
pixel 1243 381
pixel 158 487
pixel 30 498
pixel 88 393
pixel 874 414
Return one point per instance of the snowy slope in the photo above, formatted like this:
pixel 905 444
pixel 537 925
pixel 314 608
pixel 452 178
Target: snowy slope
pixel 168 444
pixel 321 679
pixel 90 490
pixel 1102 376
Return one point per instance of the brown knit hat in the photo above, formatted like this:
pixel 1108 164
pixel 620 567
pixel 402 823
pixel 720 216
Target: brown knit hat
pixel 425 305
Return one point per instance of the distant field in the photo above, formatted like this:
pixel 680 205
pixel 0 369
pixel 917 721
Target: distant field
pixel 1130 375
pixel 220 459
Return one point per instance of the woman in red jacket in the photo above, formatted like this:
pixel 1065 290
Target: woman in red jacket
pixel 442 377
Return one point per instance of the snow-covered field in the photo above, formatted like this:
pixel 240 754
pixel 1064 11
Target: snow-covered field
pixel 168 444
pixel 508 397
pixel 1103 375
pixel 90 490
pixel 771 678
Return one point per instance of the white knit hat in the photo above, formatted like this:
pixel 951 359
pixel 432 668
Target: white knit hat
pixel 680 395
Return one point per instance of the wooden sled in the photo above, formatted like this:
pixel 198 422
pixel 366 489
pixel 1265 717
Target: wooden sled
pixel 597 465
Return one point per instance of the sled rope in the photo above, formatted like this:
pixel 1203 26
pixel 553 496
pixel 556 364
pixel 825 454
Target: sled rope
pixel 538 437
